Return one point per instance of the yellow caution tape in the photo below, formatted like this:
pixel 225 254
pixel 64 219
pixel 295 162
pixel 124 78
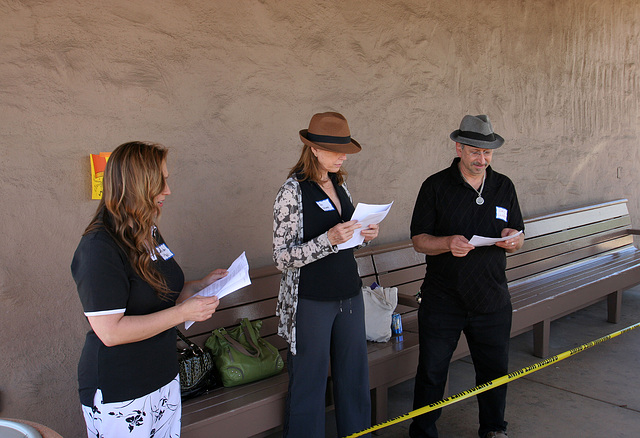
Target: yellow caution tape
pixel 492 384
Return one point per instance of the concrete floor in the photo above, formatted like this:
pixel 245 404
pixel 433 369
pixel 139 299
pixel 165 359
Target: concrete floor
pixel 595 393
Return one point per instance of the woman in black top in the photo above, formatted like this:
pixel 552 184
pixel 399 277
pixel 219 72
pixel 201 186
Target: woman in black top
pixel 320 302
pixel 133 294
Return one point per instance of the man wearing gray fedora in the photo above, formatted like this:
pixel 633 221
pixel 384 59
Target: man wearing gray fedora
pixel 465 287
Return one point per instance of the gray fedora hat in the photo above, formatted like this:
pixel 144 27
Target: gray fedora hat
pixel 477 131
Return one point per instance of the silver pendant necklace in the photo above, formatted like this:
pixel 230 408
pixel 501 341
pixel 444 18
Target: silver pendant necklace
pixel 479 199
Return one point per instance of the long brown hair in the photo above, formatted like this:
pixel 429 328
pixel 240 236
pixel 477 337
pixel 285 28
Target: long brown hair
pixel 132 179
pixel 308 167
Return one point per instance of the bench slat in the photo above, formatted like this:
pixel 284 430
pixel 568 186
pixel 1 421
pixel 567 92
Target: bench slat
pixel 560 280
pixel 402 276
pixel 574 218
pixel 553 262
pixel 237 412
pixel 569 301
pixel 365 266
pixel 398 259
pixel 260 288
pixel 620 225
pixel 367 281
pixel 404 350
pixel 232 316
pixel 269 329
pixel 410 288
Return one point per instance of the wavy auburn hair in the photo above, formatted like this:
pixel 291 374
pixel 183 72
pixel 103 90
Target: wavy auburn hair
pixel 308 167
pixel 132 179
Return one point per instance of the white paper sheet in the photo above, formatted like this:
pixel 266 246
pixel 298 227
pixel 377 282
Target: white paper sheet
pixel 237 278
pixel 365 214
pixel 488 241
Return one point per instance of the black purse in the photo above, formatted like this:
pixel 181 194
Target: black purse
pixel 196 369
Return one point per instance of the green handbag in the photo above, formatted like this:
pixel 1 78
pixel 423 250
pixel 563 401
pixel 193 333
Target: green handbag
pixel 241 355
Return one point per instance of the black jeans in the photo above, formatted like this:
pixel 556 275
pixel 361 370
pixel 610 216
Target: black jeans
pixel 441 321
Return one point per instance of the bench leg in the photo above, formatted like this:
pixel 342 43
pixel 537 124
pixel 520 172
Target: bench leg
pixel 614 306
pixel 379 404
pixel 541 332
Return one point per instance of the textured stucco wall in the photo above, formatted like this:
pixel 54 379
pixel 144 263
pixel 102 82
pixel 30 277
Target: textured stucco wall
pixel 228 84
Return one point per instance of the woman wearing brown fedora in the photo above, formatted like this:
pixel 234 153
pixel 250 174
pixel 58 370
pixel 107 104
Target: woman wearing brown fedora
pixel 320 302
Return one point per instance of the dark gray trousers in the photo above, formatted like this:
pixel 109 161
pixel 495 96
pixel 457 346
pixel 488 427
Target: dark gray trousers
pixel 329 333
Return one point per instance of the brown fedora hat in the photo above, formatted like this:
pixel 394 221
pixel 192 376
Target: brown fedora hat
pixel 330 131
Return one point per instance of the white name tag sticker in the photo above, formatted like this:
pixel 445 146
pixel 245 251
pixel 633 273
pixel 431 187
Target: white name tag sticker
pixel 325 204
pixel 501 213
pixel 164 251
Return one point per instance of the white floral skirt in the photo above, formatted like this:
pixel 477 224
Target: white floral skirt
pixel 155 415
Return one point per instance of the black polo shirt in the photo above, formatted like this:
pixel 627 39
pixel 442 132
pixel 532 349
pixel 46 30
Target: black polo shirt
pixel 446 206
pixel 108 284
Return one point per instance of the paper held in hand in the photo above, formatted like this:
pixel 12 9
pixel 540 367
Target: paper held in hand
pixel 488 241
pixel 365 214
pixel 237 278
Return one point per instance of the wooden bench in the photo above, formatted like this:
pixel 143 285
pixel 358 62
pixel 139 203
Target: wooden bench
pixel 570 260
pixel 256 409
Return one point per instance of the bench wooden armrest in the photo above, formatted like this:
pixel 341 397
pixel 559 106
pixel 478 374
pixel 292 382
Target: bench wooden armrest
pixel 408 300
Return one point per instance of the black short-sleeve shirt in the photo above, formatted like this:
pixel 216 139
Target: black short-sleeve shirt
pixel 107 284
pixel 446 206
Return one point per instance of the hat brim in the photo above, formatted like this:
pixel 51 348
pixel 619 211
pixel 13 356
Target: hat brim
pixel 348 148
pixel 499 141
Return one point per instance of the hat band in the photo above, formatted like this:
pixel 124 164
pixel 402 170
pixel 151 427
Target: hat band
pixel 476 136
pixel 328 139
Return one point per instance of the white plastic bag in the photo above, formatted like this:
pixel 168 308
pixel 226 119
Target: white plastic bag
pixel 379 304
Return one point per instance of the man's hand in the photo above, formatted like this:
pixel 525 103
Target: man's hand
pixel 459 246
pixel 430 245
pixel 511 245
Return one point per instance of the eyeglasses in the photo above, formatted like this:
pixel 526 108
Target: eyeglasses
pixel 477 153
